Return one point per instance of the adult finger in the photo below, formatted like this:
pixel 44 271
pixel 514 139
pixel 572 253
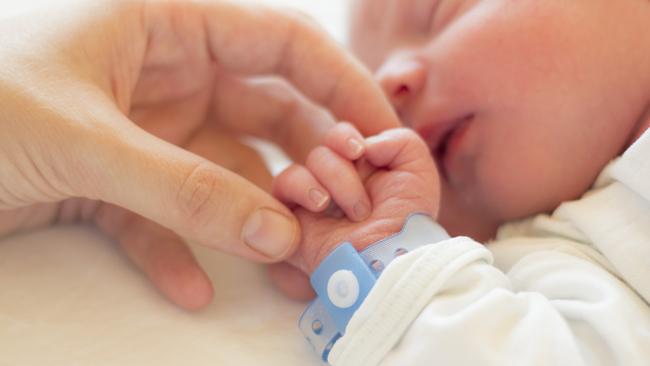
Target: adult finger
pixel 256 40
pixel 269 108
pixel 160 254
pixel 189 194
pixel 291 281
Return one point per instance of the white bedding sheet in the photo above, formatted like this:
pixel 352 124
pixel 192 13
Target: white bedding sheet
pixel 69 297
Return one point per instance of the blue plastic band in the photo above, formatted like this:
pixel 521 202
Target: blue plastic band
pixel 344 279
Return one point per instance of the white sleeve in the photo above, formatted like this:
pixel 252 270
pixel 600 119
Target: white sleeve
pixel 446 304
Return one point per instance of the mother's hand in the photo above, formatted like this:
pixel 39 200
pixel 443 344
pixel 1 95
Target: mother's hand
pixel 98 99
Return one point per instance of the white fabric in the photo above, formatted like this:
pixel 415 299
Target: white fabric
pixel 69 297
pixel 567 289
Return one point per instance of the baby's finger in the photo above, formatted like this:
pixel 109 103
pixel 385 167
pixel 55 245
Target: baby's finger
pixel 345 140
pixel 296 185
pixel 399 148
pixel 340 178
pixel 365 169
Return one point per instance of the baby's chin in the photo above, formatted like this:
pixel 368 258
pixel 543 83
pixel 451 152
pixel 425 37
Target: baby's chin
pixel 479 231
pixel 462 219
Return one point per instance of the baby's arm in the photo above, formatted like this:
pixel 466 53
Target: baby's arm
pixel 447 303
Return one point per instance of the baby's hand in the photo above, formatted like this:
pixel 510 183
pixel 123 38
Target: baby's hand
pixel 375 183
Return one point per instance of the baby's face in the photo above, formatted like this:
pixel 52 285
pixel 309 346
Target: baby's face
pixel 522 102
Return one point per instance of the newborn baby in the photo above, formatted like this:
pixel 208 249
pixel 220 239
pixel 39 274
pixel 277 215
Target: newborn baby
pixel 551 298
pixel 520 108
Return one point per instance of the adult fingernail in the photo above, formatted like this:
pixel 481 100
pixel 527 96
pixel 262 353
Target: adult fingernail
pixel 362 210
pixel 355 146
pixel 269 232
pixel 318 197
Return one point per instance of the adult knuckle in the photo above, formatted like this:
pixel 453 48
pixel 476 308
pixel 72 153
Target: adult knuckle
pixel 197 194
pixel 296 25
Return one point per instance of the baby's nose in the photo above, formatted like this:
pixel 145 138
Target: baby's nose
pixel 402 79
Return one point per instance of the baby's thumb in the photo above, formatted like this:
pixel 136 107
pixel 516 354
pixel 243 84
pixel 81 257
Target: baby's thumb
pixel 197 199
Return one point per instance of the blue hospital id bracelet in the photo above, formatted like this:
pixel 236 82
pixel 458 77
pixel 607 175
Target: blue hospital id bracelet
pixel 344 279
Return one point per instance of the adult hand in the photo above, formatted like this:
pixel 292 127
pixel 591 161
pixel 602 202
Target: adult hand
pixel 98 100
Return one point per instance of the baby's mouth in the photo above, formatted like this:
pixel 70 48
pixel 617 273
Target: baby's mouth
pixel 444 139
pixel 440 151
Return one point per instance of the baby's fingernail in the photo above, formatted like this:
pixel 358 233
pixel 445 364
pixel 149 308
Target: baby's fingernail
pixel 318 197
pixel 355 146
pixel 361 210
pixel 269 232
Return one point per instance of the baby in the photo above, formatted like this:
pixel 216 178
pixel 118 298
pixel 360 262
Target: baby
pixel 522 108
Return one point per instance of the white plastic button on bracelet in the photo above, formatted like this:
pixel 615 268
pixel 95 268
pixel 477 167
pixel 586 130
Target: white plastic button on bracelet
pixel 343 289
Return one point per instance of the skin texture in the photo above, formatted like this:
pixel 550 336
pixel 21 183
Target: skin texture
pixel 394 173
pixel 112 111
pixel 522 104
pixel 547 93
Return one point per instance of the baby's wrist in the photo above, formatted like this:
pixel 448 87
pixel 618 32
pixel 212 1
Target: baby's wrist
pixel 361 239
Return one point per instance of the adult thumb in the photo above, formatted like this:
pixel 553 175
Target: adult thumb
pixel 194 197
